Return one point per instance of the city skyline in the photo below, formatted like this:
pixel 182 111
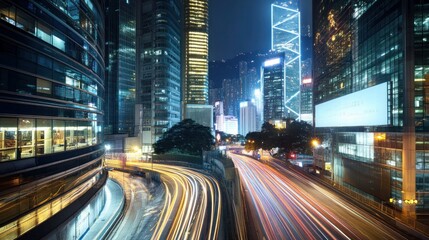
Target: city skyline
pixel 205 119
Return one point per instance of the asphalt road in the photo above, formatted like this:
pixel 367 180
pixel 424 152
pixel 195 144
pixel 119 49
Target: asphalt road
pixel 191 205
pixel 143 207
pixel 284 204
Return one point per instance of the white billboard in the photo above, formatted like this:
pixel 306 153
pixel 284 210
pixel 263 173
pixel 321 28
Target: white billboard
pixel 367 107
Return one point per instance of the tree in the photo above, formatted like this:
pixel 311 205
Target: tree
pixel 187 137
pixel 296 137
pixel 253 141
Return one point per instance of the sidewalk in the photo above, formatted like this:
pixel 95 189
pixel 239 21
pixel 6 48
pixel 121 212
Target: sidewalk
pixel 115 201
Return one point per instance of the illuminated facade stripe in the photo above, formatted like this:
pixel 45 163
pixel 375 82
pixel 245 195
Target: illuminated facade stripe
pixel 196 42
pixel 286 38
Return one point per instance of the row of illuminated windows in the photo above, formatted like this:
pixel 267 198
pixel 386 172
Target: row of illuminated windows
pixel 81 16
pixel 50 35
pixel 47 67
pixel 27 137
pixel 26 84
pixel 198 43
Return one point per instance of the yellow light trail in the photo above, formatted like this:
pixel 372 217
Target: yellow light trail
pixel 192 206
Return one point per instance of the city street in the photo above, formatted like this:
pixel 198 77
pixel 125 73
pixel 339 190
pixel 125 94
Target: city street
pixel 282 204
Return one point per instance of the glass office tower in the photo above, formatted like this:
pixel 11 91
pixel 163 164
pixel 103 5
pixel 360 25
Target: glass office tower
pixel 273 90
pixel 195 54
pixel 371 81
pixel 159 85
pixel 51 109
pixel 120 67
pixel 286 38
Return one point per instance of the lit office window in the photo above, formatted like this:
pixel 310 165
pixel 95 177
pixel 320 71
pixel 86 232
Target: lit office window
pixel 43 136
pixel 59 136
pixel 7 13
pixel 44 86
pixel 58 41
pixel 8 131
pixel 26 138
pixel 43 32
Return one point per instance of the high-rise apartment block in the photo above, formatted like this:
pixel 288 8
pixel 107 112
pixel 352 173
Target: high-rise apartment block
pixel 371 81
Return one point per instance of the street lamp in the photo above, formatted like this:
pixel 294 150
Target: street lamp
pixel 315 143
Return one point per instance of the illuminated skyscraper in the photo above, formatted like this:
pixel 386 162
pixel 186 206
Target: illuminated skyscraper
pixel 273 90
pixel 120 67
pixel 195 55
pixel 286 38
pixel 51 115
pixel 158 72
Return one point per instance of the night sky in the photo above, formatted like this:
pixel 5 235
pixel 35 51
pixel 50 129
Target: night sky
pixel 242 26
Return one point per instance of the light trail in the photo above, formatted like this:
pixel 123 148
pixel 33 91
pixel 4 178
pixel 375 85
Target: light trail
pixel 192 206
pixel 286 205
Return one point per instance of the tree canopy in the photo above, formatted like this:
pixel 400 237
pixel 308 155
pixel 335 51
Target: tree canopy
pixel 187 137
pixel 296 137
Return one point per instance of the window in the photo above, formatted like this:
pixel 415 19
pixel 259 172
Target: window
pixel 26 138
pixel 8 131
pixel 43 136
pixel 58 131
pixel 71 135
pixel 25 21
pixel 58 41
pixel 44 86
pixel 43 32
pixel 7 13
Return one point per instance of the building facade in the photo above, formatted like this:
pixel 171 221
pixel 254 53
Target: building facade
pixel 231 124
pixel 306 95
pixel 120 67
pixel 371 81
pixel 51 109
pixel 158 73
pixel 248 118
pixel 273 89
pixel 195 52
pixel 286 38
pixel 231 97
pixel 219 116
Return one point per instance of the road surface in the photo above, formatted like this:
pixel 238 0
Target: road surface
pixel 143 207
pixel 284 205
pixel 191 206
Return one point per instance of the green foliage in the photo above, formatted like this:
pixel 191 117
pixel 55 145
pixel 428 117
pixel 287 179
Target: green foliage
pixel 296 137
pixel 186 137
pixel 229 138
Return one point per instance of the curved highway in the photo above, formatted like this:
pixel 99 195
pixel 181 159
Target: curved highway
pixel 284 205
pixel 192 203
pixel 144 204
